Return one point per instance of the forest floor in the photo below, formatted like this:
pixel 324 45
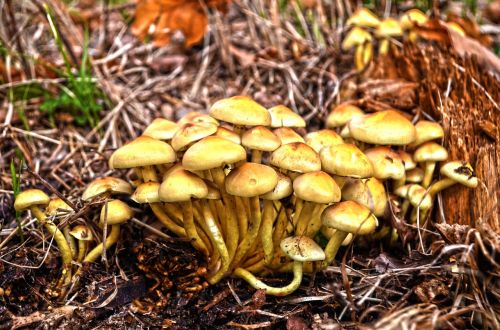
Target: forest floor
pixel 445 275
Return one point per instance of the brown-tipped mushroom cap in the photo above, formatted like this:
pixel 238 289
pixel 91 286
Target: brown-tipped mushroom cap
pixel 350 217
pixel 363 17
pixel 260 138
pixel 407 160
pixel 386 163
pixel 323 138
pixel 412 18
pixel 212 152
pixel 427 131
pixel 430 152
pixel 147 192
pixel 251 179
pixel 181 185
pixel 389 27
pixel 296 157
pixel 106 184
pixel 287 135
pixel 115 212
pixel 241 111
pixel 189 133
pixel 346 160
pixel 316 187
pixel 415 175
pixel 82 233
pixel 228 134
pixel 143 151
pixel 196 117
pixel 302 248
pixel 29 198
pixel 161 129
pixel 368 192
pixel 461 172
pixel 383 127
pixel 57 205
pixel 342 114
pixel 282 189
pixel 282 116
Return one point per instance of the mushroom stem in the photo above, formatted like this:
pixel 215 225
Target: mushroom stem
pixel 218 242
pixel 270 290
pixel 166 221
pixel 149 174
pixel 110 240
pixel 428 173
pixel 71 242
pixel 268 217
pixel 284 217
pixel 440 185
pixel 314 224
pixel 61 242
pixel 304 218
pixel 241 214
pixel 384 46
pixel 404 207
pixel 252 233
pixel 190 227
pixel 333 246
pixel 232 233
pixel 256 156
pixel 82 250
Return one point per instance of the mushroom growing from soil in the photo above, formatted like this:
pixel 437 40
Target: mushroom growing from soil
pixel 454 172
pixel 298 248
pixel 33 199
pixel 83 235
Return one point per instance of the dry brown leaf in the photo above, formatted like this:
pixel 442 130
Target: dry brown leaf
pixel 161 18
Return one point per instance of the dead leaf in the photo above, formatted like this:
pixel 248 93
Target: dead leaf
pixel 162 18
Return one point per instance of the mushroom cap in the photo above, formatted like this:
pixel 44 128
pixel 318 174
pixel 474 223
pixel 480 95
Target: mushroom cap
pixel 415 175
pixel 282 189
pixel 402 191
pixel 296 157
pixel 287 135
pixel 82 233
pixel 228 134
pixel 460 171
pixel 212 152
pixel 357 36
pixel 116 212
pixel 180 185
pixel 316 187
pixel 345 133
pixel 342 114
pixel 389 27
pixel 29 198
pixel 104 185
pixel 260 138
pixel 455 27
pixel 251 179
pixel 282 116
pixel 56 205
pixel 196 117
pixel 386 163
pixel 412 18
pixel 241 111
pixel 323 138
pixel 147 192
pixel 143 151
pixel 430 152
pixel 407 160
pixel 368 192
pixel 427 131
pixel 350 217
pixel 419 197
pixel 302 248
pixel 383 127
pixel 161 129
pixel 189 133
pixel 346 160
pixel 363 17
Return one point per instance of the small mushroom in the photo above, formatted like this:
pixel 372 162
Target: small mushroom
pixel 388 28
pixel 259 139
pixel 454 172
pixel 298 248
pixel 105 187
pixel 282 116
pixel 360 39
pixel 83 235
pixel 161 129
pixel 363 17
pixel 429 153
pixel 58 207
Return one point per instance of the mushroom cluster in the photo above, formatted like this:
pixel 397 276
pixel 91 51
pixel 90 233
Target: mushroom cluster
pixel 365 24
pixel 254 196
